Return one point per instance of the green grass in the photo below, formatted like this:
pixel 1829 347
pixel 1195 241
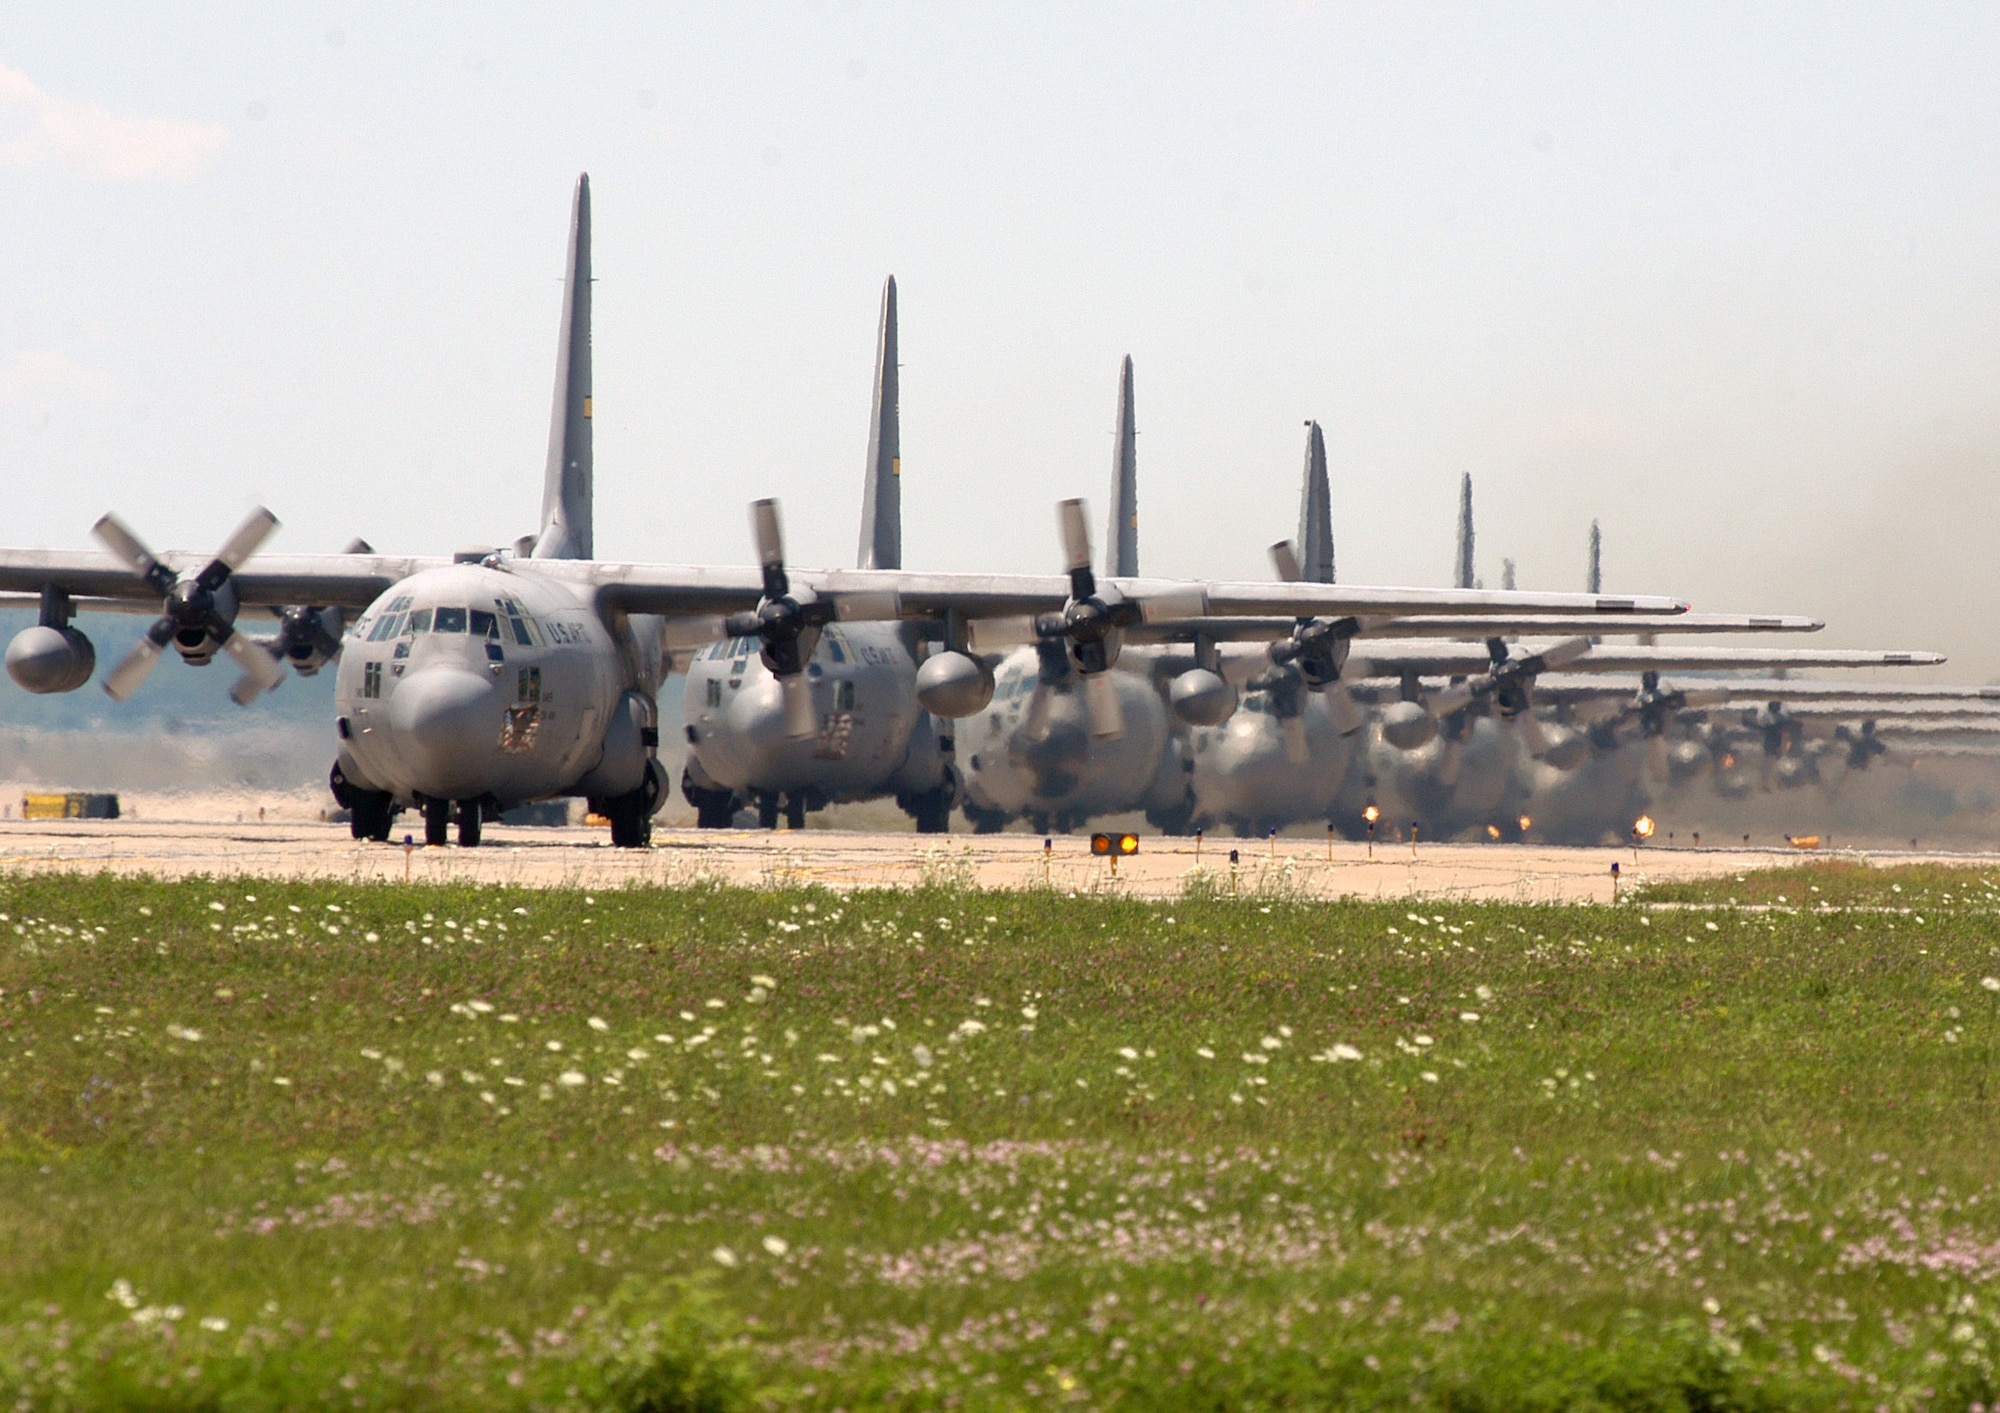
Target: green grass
pixel 302 1145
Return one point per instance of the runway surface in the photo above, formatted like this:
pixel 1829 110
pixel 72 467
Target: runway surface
pixel 582 857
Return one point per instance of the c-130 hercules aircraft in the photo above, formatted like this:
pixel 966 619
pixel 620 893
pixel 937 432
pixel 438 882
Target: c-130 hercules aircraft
pixel 464 687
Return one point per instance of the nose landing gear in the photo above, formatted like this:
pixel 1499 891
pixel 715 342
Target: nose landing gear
pixel 438 816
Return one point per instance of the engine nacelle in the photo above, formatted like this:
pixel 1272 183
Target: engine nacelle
pixel 954 684
pixel 309 638
pixel 1566 749
pixel 44 660
pixel 1201 697
pixel 1407 726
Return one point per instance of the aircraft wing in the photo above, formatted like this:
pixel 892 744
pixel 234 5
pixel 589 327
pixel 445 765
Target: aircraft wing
pixel 356 580
pixel 99 582
pixel 638 588
pixel 1471 659
pixel 1765 689
pixel 1224 630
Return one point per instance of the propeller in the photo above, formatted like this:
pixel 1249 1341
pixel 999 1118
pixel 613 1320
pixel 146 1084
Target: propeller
pixel 1088 628
pixel 309 635
pixel 1318 649
pixel 788 624
pixel 195 611
pixel 1509 685
pixel 1863 745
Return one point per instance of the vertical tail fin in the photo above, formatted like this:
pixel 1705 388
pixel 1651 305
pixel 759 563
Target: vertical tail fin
pixel 1462 570
pixel 1316 513
pixel 566 486
pixel 1121 540
pixel 882 492
pixel 1593 581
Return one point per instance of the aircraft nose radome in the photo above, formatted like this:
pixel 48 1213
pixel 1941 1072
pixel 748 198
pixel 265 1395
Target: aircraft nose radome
pixel 447 723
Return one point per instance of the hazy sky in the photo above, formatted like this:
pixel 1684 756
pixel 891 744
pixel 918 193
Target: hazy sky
pixel 1726 277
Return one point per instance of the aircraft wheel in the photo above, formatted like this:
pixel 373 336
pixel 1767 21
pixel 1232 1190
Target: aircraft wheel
pixel 437 823
pixel 985 821
pixel 931 810
pixel 714 809
pixel 468 824
pixel 767 811
pixel 631 816
pixel 795 812
pixel 370 813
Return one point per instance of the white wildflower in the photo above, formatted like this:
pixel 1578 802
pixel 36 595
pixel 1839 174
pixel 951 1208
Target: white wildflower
pixel 1429 1077
pixel 182 1032
pixel 599 1023
pixel 723 1256
pixel 1991 983
pixel 1204 1052
pixel 1344 1051
pixel 1469 1017
pixel 776 1245
pixel 215 1324
pixel 571 1079
pixel 768 983
pixel 922 1055
pixel 1128 1052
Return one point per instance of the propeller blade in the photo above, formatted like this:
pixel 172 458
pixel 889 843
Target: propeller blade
pixel 1075 535
pixel 765 530
pixel 868 608
pixel 1174 605
pixel 1107 713
pixel 1533 736
pixel 1656 757
pixel 1285 559
pixel 687 634
pixel 1563 653
pixel 801 719
pixel 1451 700
pixel 128 547
pixel 987 635
pixel 124 679
pixel 1293 729
pixel 1035 720
pixel 1347 715
pixel 249 537
pixel 245 690
pixel 255 659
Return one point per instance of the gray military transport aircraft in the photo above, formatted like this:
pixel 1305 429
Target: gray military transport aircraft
pixel 870 734
pixel 469 685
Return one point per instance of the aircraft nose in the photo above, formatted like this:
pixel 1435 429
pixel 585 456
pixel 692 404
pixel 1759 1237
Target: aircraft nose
pixel 757 717
pixel 447 723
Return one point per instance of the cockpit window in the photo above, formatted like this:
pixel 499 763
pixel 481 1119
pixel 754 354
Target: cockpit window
pixel 448 620
pixel 516 621
pixel 420 621
pixel 483 624
pixel 386 627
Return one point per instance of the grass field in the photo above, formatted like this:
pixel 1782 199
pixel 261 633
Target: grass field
pixel 324 1146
